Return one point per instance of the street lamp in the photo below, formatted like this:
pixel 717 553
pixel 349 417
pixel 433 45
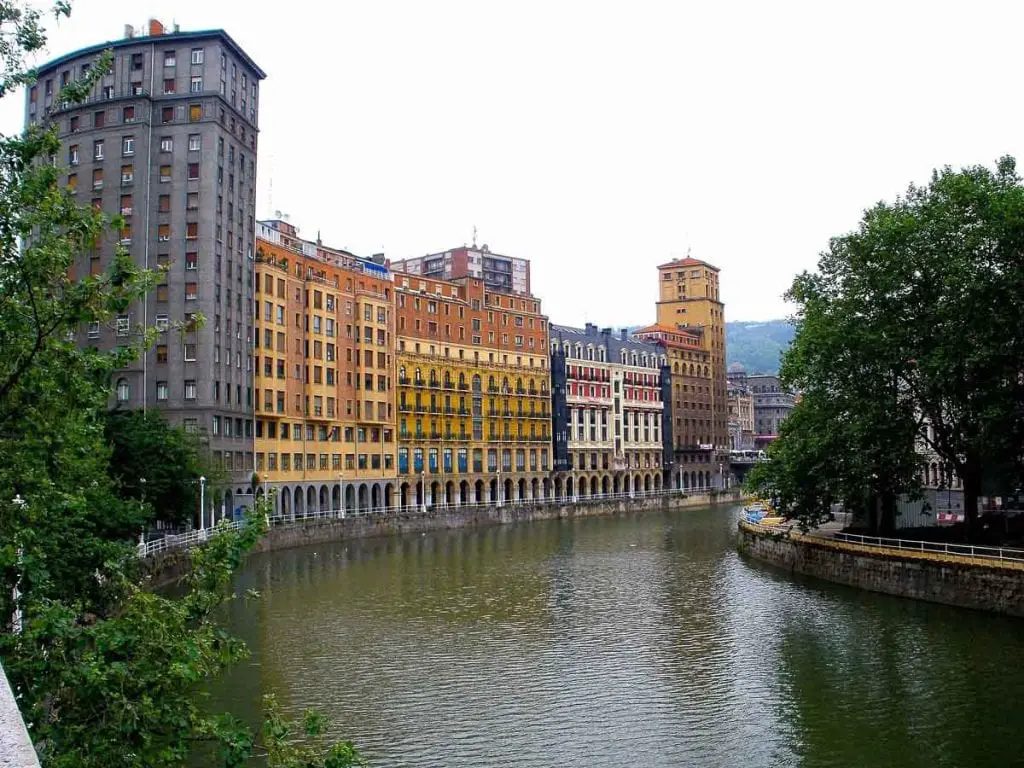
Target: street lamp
pixel 423 491
pixel 341 486
pixel 500 487
pixel 202 505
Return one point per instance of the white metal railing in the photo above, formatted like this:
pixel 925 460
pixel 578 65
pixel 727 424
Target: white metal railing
pixel 197 537
pixel 907 545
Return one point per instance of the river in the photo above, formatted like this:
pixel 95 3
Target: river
pixel 643 640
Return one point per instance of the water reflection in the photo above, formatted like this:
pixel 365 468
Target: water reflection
pixel 639 640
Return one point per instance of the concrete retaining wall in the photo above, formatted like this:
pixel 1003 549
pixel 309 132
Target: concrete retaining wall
pixel 167 567
pixel 967 585
pixel 16 749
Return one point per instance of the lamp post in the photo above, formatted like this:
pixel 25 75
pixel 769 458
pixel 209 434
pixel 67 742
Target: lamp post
pixel 500 487
pixel 341 494
pixel 423 491
pixel 202 505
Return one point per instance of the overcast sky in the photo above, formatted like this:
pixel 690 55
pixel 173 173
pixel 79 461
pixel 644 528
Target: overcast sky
pixel 600 140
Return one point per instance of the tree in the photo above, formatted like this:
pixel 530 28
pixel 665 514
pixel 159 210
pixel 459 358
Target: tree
pixel 106 671
pixel 910 336
pixel 158 464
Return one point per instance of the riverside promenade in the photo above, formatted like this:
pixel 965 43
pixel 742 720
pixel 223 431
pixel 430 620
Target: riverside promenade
pixel 982 578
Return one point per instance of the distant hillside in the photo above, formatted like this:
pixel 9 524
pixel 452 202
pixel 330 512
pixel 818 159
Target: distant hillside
pixel 757 345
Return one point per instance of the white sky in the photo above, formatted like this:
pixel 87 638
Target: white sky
pixel 598 139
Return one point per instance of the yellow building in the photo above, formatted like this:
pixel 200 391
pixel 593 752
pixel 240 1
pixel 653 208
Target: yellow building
pixel 324 377
pixel 474 413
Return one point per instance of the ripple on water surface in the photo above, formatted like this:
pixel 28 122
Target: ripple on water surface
pixel 644 641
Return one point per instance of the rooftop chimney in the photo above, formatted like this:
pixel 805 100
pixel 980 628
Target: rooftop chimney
pixel 156 28
pixel 129 31
pixel 590 329
pixel 624 334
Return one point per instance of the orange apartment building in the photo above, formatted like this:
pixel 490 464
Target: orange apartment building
pixel 691 327
pixel 324 376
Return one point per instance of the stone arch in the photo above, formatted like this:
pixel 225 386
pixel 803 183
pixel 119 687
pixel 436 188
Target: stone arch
pixel 375 497
pixel 350 499
pixel 593 485
pixel 569 487
pixel 228 505
pixel 311 503
pixel 707 479
pixel 615 484
pixel 325 498
pixel 522 489
pixel 449 493
pixel 534 489
pixel 627 486
pixel 693 479
pixel 403 495
pixel 420 498
pixel 363 498
pixel 638 482
pixel 389 495
pixel 647 483
pixel 546 488
pixel 582 485
pixel 493 492
pixel 336 498
pixel 558 487
pixel 478 492
pixel 508 490
pixel 299 499
pixel 657 481
pixel 605 485
pixel 284 501
pixel 464 492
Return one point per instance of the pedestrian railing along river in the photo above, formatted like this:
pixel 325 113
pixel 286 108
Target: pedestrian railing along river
pixel 197 537
pixel 906 545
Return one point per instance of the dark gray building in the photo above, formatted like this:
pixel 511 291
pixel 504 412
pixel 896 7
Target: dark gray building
pixel 772 404
pixel 168 140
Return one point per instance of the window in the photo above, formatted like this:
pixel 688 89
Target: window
pixel 123 325
pixel 192 201
pixel 94 330
pixel 195 113
pixel 167 115
pixel 170 60
pixel 73 183
pixel 99 119
pixel 190 389
pixel 191 290
pixel 163 322
pixel 164 204
pixel 127 145
pixel 73 154
pixel 73 125
pixel 97 178
pixel 127 174
pixel 193 171
pixel 136 61
pixel 161 353
pixel 97 150
pixel 195 142
pixel 166 144
pixel 197 55
pixel 192 230
pixel 169 85
pixel 161 293
pixel 165 174
pixel 196 86
pixel 190 353
pixel 161 390
pixel 191 260
pixel 123 391
pixel 163 233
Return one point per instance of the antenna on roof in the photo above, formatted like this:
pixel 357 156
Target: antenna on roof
pixel 474 235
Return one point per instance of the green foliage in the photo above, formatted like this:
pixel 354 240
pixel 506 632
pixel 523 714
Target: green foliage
pixel 909 337
pixel 758 346
pixel 106 671
pixel 159 464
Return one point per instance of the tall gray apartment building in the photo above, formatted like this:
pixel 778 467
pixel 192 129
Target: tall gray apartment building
pixel 167 139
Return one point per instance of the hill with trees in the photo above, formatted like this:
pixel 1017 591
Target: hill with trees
pixel 757 345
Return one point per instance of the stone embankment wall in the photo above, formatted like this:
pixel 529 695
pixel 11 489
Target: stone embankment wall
pixel 935 577
pixel 169 566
